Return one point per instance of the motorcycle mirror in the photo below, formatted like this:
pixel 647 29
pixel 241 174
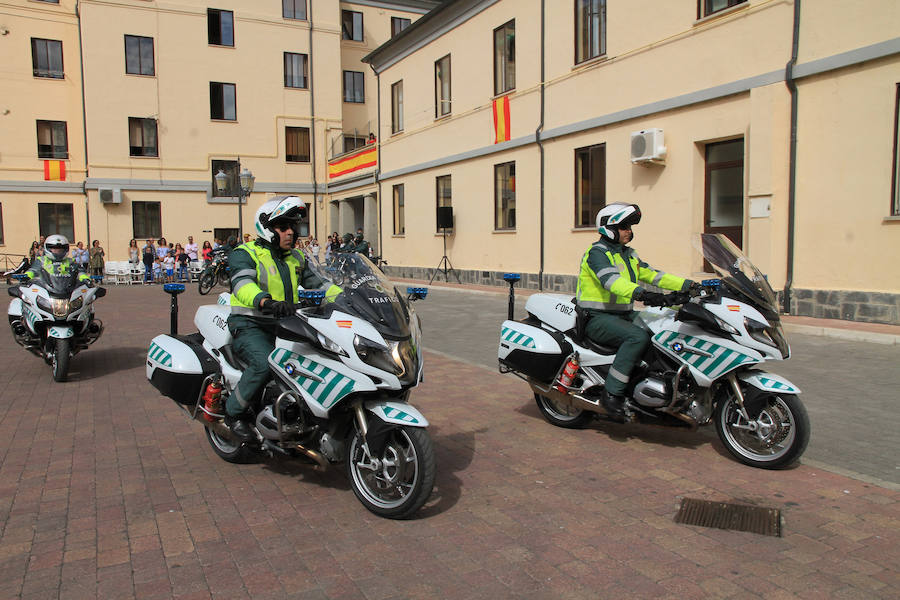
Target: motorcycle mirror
pixel 101 291
pixel 416 293
pixel 14 291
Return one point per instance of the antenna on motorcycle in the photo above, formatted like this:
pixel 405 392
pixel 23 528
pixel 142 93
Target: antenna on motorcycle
pixel 511 279
pixel 174 289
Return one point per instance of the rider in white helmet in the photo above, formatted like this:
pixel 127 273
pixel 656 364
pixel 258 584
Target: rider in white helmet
pixel 56 261
pixel 265 274
pixel 607 288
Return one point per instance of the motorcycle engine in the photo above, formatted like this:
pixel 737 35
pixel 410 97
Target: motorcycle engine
pixel 291 422
pixel 651 392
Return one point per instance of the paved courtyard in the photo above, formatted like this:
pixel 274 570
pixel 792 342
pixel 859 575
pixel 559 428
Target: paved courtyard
pixel 107 490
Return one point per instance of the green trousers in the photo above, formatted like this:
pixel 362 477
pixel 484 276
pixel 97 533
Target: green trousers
pixel 253 343
pixel 618 329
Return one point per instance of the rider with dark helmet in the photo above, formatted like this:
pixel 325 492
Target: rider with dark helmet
pixel 265 275
pixel 607 288
pixel 56 261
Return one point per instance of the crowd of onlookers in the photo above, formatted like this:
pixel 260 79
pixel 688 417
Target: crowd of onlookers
pixel 165 261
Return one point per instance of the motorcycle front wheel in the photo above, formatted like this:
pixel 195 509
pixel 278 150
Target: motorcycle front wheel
pixel 207 281
pixel 560 414
pixel 60 361
pixel 396 483
pixel 775 436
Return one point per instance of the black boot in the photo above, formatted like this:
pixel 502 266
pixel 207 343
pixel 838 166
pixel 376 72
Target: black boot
pixel 614 406
pixel 240 428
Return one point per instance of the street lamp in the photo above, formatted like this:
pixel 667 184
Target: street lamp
pixel 246 186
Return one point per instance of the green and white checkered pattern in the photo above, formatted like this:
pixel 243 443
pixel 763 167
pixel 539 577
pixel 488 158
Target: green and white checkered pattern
pixel 722 360
pixel 776 385
pixel 327 392
pixel 511 335
pixel 396 413
pixel 157 353
pixel 31 316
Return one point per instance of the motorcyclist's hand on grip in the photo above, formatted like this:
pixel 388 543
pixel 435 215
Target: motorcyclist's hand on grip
pixel 653 299
pixel 677 298
pixel 694 289
pixel 279 308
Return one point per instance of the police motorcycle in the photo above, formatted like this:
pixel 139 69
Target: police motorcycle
pixel 52 316
pixel 342 371
pixel 702 365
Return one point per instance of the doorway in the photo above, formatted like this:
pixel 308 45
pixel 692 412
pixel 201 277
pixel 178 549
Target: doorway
pixel 724 210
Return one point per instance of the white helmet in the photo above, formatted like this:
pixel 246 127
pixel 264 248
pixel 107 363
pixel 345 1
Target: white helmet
pixel 280 208
pixel 56 246
pixel 613 216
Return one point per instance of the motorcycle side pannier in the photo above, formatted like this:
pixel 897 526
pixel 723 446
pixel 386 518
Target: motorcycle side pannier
pixel 177 366
pixel 531 350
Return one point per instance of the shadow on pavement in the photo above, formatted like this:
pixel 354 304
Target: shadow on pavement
pixel 99 362
pixel 333 477
pixel 454 453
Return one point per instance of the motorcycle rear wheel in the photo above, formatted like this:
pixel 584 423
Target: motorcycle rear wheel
pixel 229 451
pixel 207 281
pixel 782 429
pixel 399 482
pixel 60 361
pixel 561 415
pixel 223 278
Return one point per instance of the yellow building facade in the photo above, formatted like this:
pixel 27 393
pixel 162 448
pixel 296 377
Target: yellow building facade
pixel 685 107
pixel 142 102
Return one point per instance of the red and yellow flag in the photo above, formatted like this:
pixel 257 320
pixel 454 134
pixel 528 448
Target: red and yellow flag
pixel 361 159
pixel 501 119
pixel 54 170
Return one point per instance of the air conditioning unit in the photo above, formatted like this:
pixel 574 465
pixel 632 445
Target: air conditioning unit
pixel 648 146
pixel 110 196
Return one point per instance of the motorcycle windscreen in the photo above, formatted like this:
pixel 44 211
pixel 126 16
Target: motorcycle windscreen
pixel 58 286
pixel 365 292
pixel 737 273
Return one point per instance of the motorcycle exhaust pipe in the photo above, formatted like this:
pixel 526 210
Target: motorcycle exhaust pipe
pixel 574 400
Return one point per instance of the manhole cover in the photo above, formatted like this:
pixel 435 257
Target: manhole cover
pixel 725 515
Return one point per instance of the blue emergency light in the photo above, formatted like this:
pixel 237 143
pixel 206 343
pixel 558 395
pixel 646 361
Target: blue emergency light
pixel 418 292
pixel 173 288
pixel 712 283
pixel 512 277
pixel 314 296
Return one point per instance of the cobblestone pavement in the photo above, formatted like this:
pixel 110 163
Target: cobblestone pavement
pixel 107 490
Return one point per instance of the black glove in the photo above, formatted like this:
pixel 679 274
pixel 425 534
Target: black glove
pixel 279 308
pixel 677 298
pixel 694 288
pixel 653 299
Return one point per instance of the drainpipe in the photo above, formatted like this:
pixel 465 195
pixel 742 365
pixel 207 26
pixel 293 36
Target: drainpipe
pixel 540 145
pixel 87 213
pixel 792 161
pixel 312 137
pixel 378 154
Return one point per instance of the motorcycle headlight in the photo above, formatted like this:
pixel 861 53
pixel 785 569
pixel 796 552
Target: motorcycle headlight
pixel 758 331
pixel 726 327
pixel 331 346
pixel 397 357
pixel 60 307
pixel 44 304
pixel 76 303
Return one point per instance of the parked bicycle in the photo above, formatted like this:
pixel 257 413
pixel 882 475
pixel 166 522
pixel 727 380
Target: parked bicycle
pixel 215 272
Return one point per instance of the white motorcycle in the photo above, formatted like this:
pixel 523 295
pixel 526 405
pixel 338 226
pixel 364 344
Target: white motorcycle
pixel 52 317
pixel 699 367
pixel 342 371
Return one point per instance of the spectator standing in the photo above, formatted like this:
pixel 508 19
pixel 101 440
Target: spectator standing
pixel 314 248
pixel 40 248
pixel 81 256
pixel 162 250
pixel 169 265
pixel 97 262
pixel 134 253
pixel 149 256
pixel 216 243
pixel 191 248
pixel 33 252
pixel 181 260
pixel 206 253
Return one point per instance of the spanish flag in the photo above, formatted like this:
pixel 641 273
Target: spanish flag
pixel 501 119
pixel 365 157
pixel 54 170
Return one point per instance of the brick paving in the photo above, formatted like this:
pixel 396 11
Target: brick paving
pixel 107 490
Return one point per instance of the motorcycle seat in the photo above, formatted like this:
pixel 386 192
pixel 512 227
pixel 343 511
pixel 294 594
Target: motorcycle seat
pixel 232 358
pixel 578 334
pixel 599 348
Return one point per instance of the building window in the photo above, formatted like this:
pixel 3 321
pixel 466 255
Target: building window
pixel 708 7
pixel 47 58
pixel 351 25
pixel 146 220
pixel 220 24
pixel 590 184
pixel 398 24
pixel 52 139
pixel 352 142
pixel 230 168
pixel 397 107
pixel 724 206
pixel 505 58
pixel 354 87
pixel 2 239
pixel 399 211
pixel 293 9
pixel 49 1
pixel 222 102
pixel 444 198
pixel 505 196
pixel 56 219
pixel 295 70
pixel 590 29
pixel 296 140
pixel 442 87
pixel 895 185
pixel 142 137
pixel 139 55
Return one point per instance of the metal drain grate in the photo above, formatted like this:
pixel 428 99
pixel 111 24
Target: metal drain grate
pixel 736 517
